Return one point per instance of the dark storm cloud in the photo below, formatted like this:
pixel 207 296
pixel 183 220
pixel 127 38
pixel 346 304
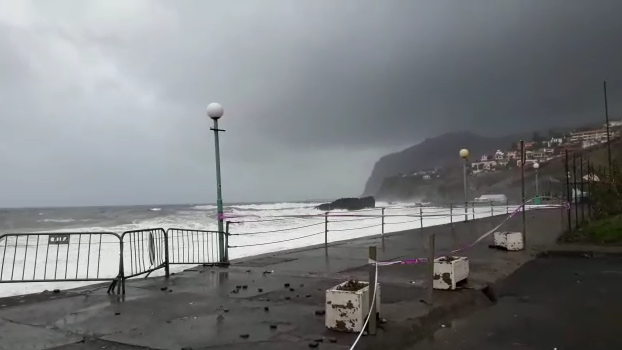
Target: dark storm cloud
pixel 103 101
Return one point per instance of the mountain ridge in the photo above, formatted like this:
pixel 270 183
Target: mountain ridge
pixel 435 152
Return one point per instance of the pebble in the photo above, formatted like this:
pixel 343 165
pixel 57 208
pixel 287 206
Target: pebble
pixel 163 288
pixel 291 289
pixel 266 308
pixel 287 298
pixel 117 313
pixel 308 296
pixel 313 344
pixel 273 326
pixel 259 290
pixel 286 285
pixel 56 291
pixel 244 287
pixel 320 312
pixel 332 339
pixel 244 336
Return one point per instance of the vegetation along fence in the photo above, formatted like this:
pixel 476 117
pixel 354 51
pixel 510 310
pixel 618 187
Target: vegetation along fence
pixel 108 256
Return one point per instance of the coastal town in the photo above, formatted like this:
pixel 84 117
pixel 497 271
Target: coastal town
pixel 539 149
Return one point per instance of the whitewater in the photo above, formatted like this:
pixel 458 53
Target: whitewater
pixel 255 229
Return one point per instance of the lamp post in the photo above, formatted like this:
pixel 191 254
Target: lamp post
pixel 464 154
pixel 215 112
pixel 536 166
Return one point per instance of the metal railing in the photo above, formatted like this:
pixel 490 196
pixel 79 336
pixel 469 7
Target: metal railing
pixel 108 256
pixel 104 256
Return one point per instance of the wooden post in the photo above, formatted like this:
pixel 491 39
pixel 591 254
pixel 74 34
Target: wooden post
pixel 371 325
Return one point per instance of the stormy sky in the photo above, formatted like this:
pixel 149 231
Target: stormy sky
pixel 103 101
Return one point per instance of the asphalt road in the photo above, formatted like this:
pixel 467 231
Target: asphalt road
pixel 557 303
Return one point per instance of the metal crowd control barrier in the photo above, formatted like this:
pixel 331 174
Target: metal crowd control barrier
pixel 105 256
pixel 59 257
pixel 194 247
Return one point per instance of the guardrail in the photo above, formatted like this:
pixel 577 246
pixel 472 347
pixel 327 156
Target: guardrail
pixel 107 256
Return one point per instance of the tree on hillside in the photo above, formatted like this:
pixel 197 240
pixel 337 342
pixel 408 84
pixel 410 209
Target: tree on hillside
pixel 555 134
pixel 537 137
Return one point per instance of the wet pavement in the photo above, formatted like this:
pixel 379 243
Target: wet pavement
pixel 562 303
pixel 274 301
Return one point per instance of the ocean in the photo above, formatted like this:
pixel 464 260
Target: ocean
pixel 256 228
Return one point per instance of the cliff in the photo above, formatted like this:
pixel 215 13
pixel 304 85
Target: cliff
pixel 441 151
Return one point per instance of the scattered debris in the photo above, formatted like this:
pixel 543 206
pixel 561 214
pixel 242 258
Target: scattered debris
pixel 267 272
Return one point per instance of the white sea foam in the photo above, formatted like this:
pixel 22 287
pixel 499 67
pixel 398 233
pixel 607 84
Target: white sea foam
pixel 256 229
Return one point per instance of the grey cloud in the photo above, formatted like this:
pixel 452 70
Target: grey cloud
pixel 103 101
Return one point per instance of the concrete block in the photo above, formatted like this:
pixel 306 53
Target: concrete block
pixel 449 271
pixel 509 240
pixel 346 311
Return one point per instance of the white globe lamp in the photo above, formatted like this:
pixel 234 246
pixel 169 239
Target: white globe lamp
pixel 215 110
pixel 464 153
pixel 536 166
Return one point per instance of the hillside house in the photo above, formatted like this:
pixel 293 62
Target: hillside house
pixel 483 165
pixel 554 141
pixel 595 134
pixel 512 154
pixel 499 155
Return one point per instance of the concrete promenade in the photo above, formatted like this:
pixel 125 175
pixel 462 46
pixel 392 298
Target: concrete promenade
pixel 564 303
pixel 280 298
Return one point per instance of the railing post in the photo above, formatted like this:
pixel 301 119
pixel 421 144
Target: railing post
pixel 221 243
pixel 430 279
pixel 382 232
pixel 167 271
pixel 507 206
pixel 326 230
pixel 492 210
pixel 227 241
pixel 473 209
pixel 421 217
pixel 371 330
pixel 451 213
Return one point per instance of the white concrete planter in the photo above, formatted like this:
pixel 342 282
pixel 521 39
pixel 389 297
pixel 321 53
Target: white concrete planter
pixel 346 311
pixel 449 271
pixel 509 240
